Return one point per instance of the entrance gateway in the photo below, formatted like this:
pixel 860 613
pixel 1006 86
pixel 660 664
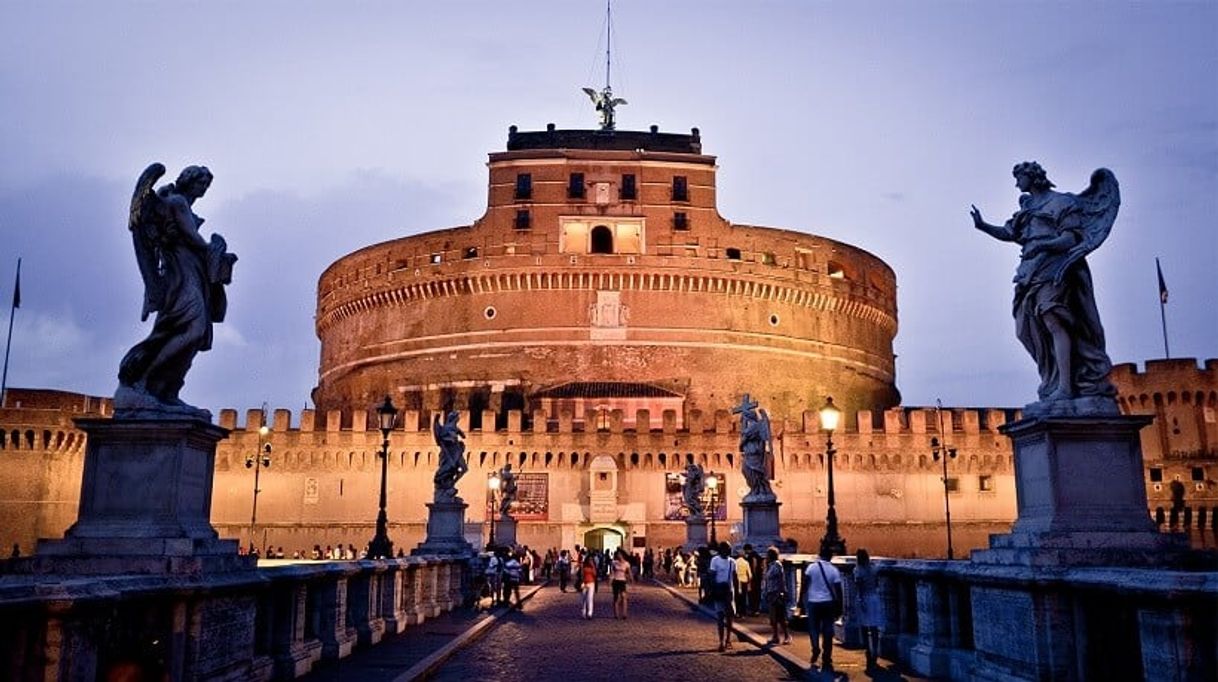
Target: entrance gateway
pixel 604 538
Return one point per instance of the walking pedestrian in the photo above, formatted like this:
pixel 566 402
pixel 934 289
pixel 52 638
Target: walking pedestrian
pixel 822 586
pixel 563 568
pixel 621 574
pixel 870 610
pixel 513 572
pixel 721 576
pixel 774 593
pixel 494 576
pixel 744 576
pixel 588 587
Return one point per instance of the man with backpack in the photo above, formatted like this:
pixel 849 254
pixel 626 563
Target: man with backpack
pixel 822 589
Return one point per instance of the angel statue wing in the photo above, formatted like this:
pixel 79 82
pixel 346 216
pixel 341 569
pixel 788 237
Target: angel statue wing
pixel 436 429
pixel 596 96
pixel 616 101
pixel 1099 204
pixel 767 439
pixel 145 225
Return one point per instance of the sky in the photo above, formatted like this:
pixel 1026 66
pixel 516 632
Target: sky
pixel 331 126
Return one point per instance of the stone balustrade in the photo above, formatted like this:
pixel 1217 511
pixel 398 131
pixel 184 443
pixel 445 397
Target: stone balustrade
pixel 275 622
pixel 961 620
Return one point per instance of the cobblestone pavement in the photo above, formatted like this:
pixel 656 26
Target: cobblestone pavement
pixel 663 639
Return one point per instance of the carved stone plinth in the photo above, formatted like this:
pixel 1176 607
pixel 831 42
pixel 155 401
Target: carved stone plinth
pixel 695 534
pixel 145 502
pixel 445 530
pixel 761 524
pixel 1081 497
pixel 505 531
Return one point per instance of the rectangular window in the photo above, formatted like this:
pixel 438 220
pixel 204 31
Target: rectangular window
pixel 575 187
pixel 985 483
pixel 436 258
pixel 522 219
pixel 1156 475
pixel 953 484
pixel 1198 474
pixel 767 258
pixel 630 190
pixel 471 252
pixel 680 221
pixel 524 186
pixel 732 254
pixel 680 188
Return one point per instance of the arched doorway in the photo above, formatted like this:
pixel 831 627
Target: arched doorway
pixel 601 539
pixel 602 239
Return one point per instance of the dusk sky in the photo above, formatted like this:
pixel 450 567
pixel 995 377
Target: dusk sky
pixel 334 126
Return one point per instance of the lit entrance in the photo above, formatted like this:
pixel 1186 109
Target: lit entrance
pixel 602 539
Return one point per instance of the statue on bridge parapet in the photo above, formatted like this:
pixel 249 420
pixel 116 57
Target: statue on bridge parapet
pixel 756 450
pixel 1056 318
pixel 448 435
pixel 693 489
pixel 507 490
pixel 184 278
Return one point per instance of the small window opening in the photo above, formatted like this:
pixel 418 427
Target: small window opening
pixel 953 485
pixel 680 188
pixel 767 258
pixel 523 221
pixel 836 271
pixel 1156 475
pixel 630 190
pixel 524 186
pixel 602 239
pixel 985 483
pixel 471 252
pixel 1198 474
pixel 436 258
pixel 680 220
pixel 733 254
pixel 575 188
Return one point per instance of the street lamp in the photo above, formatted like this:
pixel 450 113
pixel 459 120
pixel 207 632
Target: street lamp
pixel 261 458
pixel 712 484
pixel 381 547
pixel 829 416
pixel 493 483
pixel 942 451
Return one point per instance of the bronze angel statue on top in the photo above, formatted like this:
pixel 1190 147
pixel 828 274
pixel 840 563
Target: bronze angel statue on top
pixel 1056 318
pixel 184 277
pixel 605 103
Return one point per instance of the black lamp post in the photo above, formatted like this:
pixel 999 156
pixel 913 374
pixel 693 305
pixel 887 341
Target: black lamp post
pixel 829 416
pixel 492 484
pixel 712 484
pixel 256 461
pixel 381 547
pixel 942 451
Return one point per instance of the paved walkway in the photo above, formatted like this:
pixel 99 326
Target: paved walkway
pixel 663 639
pixel 848 664
pixel 667 637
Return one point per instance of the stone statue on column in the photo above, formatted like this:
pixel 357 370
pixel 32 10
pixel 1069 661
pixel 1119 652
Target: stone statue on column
pixel 448 435
pixel 693 489
pixel 1056 318
pixel 507 490
pixel 184 277
pixel 755 450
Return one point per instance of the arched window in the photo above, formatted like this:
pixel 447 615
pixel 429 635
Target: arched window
pixel 602 239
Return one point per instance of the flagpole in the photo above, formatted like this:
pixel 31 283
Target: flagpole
pixel 9 344
pixel 1163 308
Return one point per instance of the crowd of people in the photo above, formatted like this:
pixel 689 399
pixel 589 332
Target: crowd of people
pixel 330 553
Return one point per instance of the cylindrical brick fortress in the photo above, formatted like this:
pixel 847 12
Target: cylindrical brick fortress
pixel 602 261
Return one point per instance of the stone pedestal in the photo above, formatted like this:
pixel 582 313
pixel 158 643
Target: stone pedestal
pixel 505 531
pixel 695 534
pixel 445 530
pixel 145 502
pixel 761 524
pixel 1081 497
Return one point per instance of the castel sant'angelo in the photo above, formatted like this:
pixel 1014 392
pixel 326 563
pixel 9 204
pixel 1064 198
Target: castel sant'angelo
pixel 594 328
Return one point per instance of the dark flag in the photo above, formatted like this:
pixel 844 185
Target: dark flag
pixel 16 290
pixel 1162 284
